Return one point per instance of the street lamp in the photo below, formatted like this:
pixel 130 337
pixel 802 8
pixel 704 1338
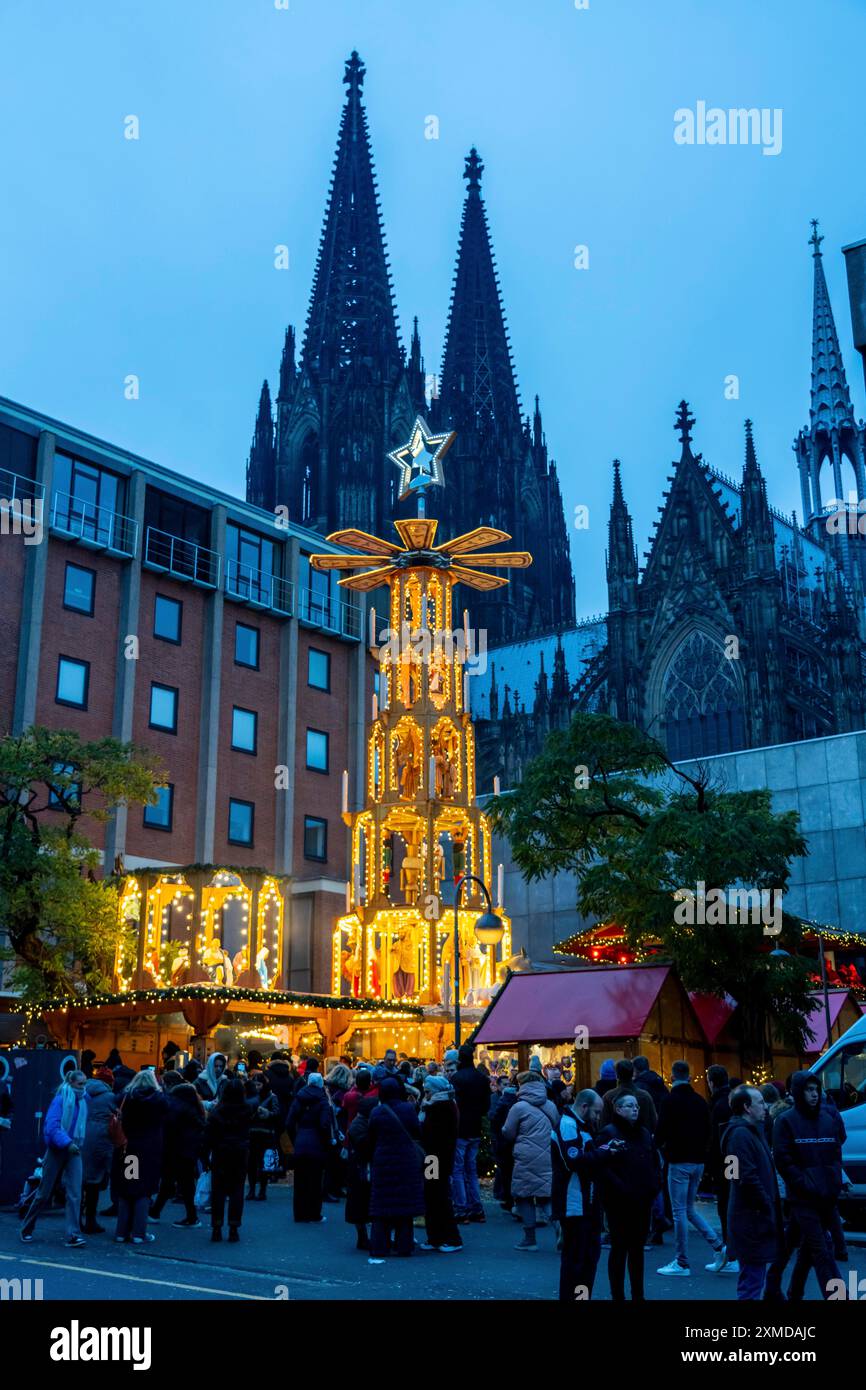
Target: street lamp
pixel 488 930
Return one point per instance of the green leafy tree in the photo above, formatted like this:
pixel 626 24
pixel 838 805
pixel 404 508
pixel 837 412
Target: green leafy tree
pixel 604 801
pixel 60 919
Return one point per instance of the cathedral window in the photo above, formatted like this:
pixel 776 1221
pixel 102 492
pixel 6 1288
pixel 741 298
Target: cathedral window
pixel 702 707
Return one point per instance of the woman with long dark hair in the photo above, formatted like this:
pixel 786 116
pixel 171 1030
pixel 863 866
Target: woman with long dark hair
pixel 184 1130
pixel 227 1140
pixel 629 1179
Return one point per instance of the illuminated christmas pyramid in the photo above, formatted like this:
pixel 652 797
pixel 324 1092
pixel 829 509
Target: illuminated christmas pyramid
pixel 420 831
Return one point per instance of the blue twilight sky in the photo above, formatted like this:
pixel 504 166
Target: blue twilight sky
pixel 155 257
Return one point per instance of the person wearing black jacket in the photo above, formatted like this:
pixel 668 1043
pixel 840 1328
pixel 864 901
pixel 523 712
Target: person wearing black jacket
pixel 311 1131
pixel 439 1121
pixel 263 1134
pixel 720 1118
pixel 503 1152
pixel 683 1134
pixel 753 1211
pixel 576 1199
pixel 647 1080
pixel 358 1160
pixel 227 1141
pixel 472 1093
pixel 184 1130
pixel 807 1147
pixel 629 1183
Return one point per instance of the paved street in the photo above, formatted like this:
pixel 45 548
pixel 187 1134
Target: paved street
pixel 320 1263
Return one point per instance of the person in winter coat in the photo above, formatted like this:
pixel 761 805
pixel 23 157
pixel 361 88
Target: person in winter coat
pixel 647 1080
pixel 629 1183
pixel 625 1087
pixel 64 1128
pixel 310 1128
pixel 753 1215
pixel 472 1093
pixel 184 1132
pixel 807 1148
pixel 358 1092
pixel 396 1172
pixel 263 1134
pixel 720 1117
pixel 358 1157
pixel 137 1167
pixel 576 1198
pixel 98 1149
pixel 503 1152
pixel 528 1127
pixel 227 1142
pixel 439 1123
pixel 120 1071
pixel 208 1083
pixel 606 1077
pixel 683 1135
pixel 337 1085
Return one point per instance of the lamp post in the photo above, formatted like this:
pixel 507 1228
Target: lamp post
pixel 488 929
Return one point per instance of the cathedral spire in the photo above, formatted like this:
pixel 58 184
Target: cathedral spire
pixel 260 464
pixel 287 365
pixel 831 400
pixel 351 323
pixel 683 426
pixel 622 563
pixel 478 386
pixel 755 520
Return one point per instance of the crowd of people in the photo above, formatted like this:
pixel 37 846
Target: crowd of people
pixel 617 1166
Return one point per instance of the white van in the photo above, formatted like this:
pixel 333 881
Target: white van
pixel 842 1070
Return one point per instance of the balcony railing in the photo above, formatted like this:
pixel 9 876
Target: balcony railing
pixel 14 487
pixel 93 525
pixel 332 614
pixel 259 588
pixel 184 559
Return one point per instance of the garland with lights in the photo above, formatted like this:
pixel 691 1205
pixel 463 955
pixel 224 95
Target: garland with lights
pixel 382 1008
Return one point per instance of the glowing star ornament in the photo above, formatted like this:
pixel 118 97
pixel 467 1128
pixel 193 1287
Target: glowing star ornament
pixel 420 461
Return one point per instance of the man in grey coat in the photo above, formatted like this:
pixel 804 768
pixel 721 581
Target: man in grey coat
pixel 753 1209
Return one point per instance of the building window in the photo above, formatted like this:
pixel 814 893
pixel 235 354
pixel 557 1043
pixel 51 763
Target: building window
pixel 244 729
pixel 241 816
pixel 67 792
pixel 86 498
pixel 315 838
pixel 79 589
pixel 159 817
pixel 246 646
pixel 73 681
pixel 317 750
pixel 163 707
pixel 319 669
pixel 167 618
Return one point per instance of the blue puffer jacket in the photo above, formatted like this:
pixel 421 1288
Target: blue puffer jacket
pixel 55 1134
pixel 807 1147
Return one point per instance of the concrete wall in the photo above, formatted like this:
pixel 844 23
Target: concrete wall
pixel 823 779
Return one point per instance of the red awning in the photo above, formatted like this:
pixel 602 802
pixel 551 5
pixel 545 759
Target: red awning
pixel 609 1002
pixel 713 1013
pixel 816 1036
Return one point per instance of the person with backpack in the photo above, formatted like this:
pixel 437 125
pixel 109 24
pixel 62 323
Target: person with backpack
pixel 64 1128
pixel 807 1148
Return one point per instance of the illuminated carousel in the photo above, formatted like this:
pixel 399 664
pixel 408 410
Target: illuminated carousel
pixel 421 850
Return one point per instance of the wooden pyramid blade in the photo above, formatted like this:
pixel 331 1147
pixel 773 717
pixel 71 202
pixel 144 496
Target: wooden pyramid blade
pixel 473 579
pixel 417 532
pixel 508 560
pixel 342 562
pixel 362 540
pixel 482 535
pixel 371 580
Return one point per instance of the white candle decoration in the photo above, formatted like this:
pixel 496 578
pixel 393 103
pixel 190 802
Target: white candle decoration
pixel 348 896
pixel 375 707
pixel 496 786
pixel 431 775
pixel 500 884
pixel 345 792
